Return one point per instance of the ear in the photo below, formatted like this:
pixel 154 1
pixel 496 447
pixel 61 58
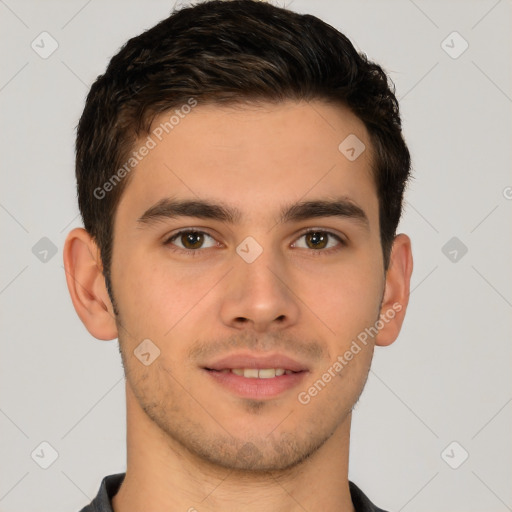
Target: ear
pixel 86 285
pixel 396 292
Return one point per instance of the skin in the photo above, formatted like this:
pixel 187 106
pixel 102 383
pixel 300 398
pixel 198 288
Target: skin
pixel 191 444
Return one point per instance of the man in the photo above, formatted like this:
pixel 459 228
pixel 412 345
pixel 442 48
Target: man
pixel 240 175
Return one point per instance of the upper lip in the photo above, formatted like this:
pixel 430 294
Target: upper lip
pixel 256 361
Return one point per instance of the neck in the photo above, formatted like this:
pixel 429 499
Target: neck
pixel 163 475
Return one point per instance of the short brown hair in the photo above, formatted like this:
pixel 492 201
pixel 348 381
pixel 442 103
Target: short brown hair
pixel 231 52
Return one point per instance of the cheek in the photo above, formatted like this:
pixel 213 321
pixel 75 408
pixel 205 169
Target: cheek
pixel 155 295
pixel 346 299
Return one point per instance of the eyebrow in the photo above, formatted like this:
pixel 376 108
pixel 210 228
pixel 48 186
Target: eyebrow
pixel 171 208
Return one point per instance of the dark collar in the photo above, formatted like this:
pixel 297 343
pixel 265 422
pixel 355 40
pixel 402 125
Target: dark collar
pixel 110 486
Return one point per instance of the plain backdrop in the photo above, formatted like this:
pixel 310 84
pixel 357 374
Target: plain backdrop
pixel 441 393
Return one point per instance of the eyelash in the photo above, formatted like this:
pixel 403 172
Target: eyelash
pixel 315 252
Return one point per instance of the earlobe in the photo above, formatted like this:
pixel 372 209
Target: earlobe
pixel 397 290
pixel 86 285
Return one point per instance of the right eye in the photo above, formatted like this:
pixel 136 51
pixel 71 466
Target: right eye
pixel 191 241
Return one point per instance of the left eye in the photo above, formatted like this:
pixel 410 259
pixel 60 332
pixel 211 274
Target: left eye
pixel 317 239
pixel 192 241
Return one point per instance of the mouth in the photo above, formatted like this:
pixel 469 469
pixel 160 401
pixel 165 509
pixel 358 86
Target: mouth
pixel 244 364
pixel 256 377
pixel 255 373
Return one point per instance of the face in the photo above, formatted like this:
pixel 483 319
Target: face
pixel 253 285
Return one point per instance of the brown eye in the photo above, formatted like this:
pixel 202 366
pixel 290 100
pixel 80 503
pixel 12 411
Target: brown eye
pixel 190 240
pixel 318 240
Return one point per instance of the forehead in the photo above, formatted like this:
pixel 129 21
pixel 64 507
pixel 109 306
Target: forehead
pixel 253 157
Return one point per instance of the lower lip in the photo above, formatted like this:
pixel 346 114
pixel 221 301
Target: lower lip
pixel 257 388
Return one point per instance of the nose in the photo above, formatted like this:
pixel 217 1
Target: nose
pixel 259 295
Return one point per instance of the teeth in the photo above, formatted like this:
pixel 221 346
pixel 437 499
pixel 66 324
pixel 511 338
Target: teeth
pixel 254 373
pixel 266 374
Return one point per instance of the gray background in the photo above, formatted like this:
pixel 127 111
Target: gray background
pixel 446 379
